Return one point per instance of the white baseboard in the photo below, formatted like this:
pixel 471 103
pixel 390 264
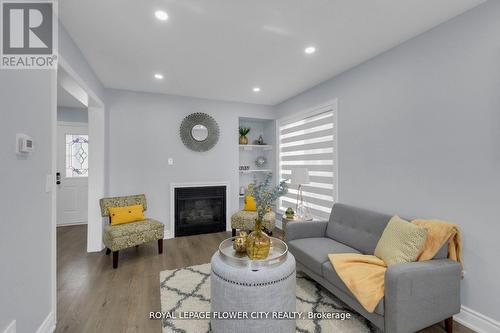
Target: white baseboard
pixel 97 249
pixel 477 321
pixel 11 328
pixel 166 234
pixel 48 325
pixel 71 224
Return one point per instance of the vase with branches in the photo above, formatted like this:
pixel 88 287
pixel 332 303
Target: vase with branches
pixel 243 135
pixel 258 243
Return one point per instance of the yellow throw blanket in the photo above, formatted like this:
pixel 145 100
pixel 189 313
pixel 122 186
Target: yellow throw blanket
pixel 364 274
pixel 438 233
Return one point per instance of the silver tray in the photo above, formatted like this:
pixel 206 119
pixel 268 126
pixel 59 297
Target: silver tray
pixel 277 254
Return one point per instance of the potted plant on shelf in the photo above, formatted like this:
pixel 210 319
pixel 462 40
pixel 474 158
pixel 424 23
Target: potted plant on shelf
pixel 243 135
pixel 258 243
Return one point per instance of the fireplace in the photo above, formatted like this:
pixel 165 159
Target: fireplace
pixel 199 210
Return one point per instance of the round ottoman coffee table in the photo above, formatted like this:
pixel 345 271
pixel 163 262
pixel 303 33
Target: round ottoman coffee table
pixel 262 297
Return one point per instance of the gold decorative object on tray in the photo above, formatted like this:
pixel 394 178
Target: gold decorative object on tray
pixel 258 243
pixel 239 244
pixel 277 255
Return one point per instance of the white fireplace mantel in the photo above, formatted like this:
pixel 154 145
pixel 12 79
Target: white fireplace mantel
pixel 170 233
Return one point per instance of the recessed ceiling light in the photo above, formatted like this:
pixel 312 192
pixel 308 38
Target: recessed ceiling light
pixel 310 50
pixel 159 76
pixel 161 15
pixel 256 89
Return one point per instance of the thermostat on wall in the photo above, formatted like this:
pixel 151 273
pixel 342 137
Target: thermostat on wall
pixel 24 144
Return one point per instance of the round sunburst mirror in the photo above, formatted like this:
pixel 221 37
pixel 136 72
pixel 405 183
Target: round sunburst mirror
pixel 199 132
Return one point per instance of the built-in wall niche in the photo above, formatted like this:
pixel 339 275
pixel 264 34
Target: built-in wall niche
pixel 248 154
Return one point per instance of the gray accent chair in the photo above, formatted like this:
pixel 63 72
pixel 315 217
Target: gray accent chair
pixel 417 295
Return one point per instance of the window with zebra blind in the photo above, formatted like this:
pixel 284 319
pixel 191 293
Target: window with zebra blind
pixel 310 141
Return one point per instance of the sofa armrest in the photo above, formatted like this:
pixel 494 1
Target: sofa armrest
pixel 420 294
pixel 309 229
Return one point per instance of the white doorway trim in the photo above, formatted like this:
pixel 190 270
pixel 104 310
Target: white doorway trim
pixel 96 178
pixel 96 185
pixel 71 123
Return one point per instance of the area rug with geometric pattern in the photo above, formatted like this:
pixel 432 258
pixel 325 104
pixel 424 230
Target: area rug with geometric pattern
pixel 188 289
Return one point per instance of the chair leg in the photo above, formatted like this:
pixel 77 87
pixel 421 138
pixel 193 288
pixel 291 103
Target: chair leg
pixel 233 232
pixel 448 325
pixel 160 246
pixel 115 259
pixel 108 251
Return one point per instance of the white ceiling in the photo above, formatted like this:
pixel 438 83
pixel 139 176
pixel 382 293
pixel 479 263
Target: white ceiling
pixel 221 49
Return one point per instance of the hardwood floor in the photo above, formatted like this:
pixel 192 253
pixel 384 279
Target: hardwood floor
pixel 93 297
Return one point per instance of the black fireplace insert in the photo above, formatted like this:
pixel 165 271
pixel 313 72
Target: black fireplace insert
pixel 200 210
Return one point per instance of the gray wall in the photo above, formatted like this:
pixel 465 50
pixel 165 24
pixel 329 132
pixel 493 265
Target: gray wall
pixel 25 225
pixel 72 115
pixel 144 133
pixel 419 135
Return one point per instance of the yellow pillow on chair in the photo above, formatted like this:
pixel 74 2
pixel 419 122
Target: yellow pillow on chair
pixel 127 214
pixel 250 205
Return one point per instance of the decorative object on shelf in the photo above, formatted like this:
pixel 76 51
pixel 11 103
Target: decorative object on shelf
pixel 199 132
pixel 300 176
pixel 244 167
pixel 259 141
pixel 289 213
pixel 258 243
pixel 239 243
pixel 242 190
pixel 260 161
pixel 243 135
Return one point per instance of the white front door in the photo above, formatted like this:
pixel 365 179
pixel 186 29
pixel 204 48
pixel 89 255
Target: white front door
pixel 72 173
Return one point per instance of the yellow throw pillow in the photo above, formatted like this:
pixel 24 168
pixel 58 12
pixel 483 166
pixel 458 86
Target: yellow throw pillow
pixel 250 205
pixel 401 242
pixel 127 214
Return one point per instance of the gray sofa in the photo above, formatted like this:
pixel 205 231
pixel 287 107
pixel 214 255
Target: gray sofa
pixel 417 295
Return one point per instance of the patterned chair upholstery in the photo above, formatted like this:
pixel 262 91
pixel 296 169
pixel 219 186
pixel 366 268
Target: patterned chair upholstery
pixel 245 220
pixel 122 236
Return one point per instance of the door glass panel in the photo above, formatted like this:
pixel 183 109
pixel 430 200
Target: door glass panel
pixel 77 155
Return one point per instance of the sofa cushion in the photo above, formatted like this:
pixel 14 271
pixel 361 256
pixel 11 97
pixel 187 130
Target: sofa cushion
pixel 401 242
pixel 331 276
pixel 355 227
pixel 313 252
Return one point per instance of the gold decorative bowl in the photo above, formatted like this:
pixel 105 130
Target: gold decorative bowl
pixel 239 243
